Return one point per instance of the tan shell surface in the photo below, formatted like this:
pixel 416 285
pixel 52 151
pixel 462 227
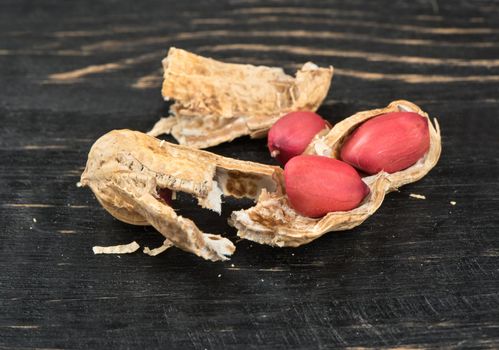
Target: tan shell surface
pixel 272 220
pixel 217 102
pixel 125 168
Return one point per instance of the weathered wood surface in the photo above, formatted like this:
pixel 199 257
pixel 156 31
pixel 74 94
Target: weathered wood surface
pixel 419 273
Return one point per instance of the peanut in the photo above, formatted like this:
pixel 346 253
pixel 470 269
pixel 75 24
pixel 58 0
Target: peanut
pixel 390 142
pixel 317 185
pixel 291 134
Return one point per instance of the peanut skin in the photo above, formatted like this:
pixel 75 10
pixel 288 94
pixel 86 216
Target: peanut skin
pixel 390 142
pixel 291 134
pixel 166 195
pixel 317 185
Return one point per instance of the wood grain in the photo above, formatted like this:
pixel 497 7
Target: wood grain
pixel 418 274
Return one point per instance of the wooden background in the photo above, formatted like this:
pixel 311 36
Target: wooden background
pixel 419 273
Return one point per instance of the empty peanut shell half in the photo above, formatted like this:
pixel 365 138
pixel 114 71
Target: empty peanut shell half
pixel 272 221
pixel 216 102
pixel 126 170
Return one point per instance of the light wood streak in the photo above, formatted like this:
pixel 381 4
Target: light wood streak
pixel 43 147
pixel 368 56
pixel 40 205
pixel 151 80
pixel 415 78
pixel 298 10
pixel 429 18
pixel 107 31
pixel 350 23
pixel 41 52
pixel 27 205
pixel 102 68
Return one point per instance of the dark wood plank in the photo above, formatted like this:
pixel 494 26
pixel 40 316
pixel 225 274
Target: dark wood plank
pixel 416 274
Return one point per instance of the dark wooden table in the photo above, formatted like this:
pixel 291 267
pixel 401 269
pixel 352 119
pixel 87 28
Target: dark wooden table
pixel 419 273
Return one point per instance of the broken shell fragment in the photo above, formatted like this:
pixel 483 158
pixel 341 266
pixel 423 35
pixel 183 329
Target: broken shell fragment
pixel 216 102
pixel 125 169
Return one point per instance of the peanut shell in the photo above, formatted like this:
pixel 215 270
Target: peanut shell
pixel 216 102
pixel 125 169
pixel 272 221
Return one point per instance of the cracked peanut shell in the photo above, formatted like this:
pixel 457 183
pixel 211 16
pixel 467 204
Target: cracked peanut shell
pixel 272 220
pixel 126 170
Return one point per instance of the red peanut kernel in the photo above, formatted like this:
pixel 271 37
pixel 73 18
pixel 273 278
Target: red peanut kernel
pixel 291 134
pixel 317 185
pixel 390 142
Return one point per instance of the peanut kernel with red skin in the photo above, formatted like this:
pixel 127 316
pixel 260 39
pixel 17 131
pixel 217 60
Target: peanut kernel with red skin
pixel 291 134
pixel 317 185
pixel 389 142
